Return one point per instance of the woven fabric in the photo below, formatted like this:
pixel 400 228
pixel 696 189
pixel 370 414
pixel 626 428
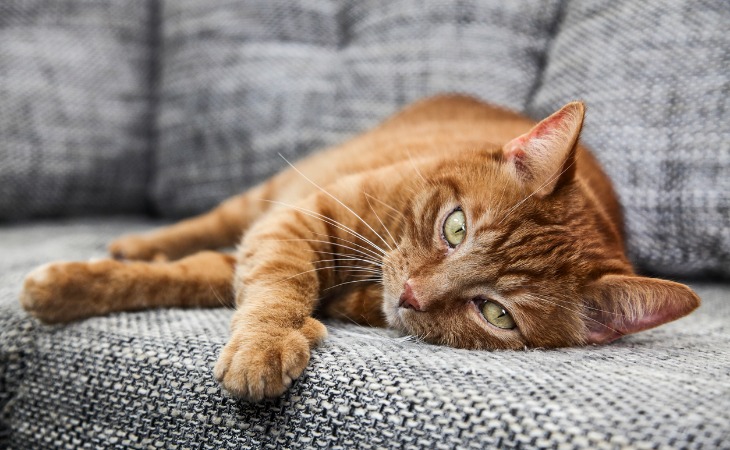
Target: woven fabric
pixel 655 77
pixel 245 81
pixel 74 106
pixel 143 380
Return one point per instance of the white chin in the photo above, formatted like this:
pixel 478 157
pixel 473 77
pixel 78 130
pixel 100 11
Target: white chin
pixel 390 309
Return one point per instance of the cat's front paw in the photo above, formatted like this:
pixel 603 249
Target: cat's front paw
pixel 137 248
pixel 262 363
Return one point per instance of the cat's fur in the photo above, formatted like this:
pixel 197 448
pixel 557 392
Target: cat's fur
pixel 356 232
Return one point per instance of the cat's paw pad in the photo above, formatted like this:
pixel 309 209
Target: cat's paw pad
pixel 136 248
pixel 262 364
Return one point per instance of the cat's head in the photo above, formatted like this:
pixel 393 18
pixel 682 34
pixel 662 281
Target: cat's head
pixel 505 248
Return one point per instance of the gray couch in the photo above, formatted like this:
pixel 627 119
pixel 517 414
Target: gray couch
pixel 118 116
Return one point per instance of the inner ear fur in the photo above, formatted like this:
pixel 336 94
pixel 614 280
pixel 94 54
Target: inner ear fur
pixel 617 305
pixel 543 158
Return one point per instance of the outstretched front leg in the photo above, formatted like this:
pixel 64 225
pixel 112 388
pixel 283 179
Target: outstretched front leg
pixel 289 260
pixel 66 291
pixel 218 228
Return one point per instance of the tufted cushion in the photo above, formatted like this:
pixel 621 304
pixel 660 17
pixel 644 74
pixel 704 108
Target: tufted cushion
pixel 244 81
pixel 656 79
pixel 74 106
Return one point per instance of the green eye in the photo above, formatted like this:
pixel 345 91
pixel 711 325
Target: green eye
pixel 455 228
pixel 497 316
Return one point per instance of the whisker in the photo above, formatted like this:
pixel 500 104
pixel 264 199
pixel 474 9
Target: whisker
pixel 354 269
pixel 586 316
pixel 367 198
pixel 384 204
pixel 218 297
pixel 353 258
pixel 413 164
pixel 371 253
pixel 371 280
pixel 369 330
pixel 365 256
pixel 329 220
pixel 316 240
pixel 337 225
pixel 341 203
pixel 425 337
pixel 390 214
pixel 501 195
pixel 360 268
pixel 584 306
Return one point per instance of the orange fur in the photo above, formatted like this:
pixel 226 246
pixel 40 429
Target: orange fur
pixel 349 231
pixel 66 291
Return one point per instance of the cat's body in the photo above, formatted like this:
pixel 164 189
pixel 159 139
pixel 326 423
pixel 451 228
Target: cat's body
pixel 455 221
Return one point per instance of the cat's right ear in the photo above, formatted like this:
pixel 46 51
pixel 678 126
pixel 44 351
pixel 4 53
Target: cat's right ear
pixel 544 157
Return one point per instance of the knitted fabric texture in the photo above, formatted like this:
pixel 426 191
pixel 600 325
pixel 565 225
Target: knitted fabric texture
pixel 74 107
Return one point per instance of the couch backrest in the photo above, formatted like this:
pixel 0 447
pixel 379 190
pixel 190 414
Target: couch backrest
pixel 245 81
pixel 656 78
pixel 75 107
pixel 240 82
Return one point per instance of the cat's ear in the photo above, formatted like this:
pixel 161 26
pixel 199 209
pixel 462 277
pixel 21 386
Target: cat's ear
pixel 617 305
pixel 543 158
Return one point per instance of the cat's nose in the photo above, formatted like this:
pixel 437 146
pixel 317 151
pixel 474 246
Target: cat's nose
pixel 408 299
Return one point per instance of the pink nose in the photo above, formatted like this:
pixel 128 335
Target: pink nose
pixel 408 299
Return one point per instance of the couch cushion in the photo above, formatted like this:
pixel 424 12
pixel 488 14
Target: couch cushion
pixel 74 106
pixel 143 380
pixel 656 78
pixel 244 81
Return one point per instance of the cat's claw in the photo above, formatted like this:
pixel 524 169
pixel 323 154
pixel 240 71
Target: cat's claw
pixel 260 364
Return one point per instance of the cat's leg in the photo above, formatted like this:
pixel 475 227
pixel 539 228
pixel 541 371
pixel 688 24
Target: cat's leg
pixel 218 228
pixel 286 264
pixel 67 291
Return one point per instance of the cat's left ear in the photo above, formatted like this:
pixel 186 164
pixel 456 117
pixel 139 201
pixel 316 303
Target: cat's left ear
pixel 617 305
pixel 543 158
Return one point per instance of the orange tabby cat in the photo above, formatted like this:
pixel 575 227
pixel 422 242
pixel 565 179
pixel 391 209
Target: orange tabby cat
pixel 454 221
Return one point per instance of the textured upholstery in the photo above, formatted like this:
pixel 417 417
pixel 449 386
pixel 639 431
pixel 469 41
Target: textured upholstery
pixel 656 78
pixel 74 107
pixel 244 81
pixel 144 380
